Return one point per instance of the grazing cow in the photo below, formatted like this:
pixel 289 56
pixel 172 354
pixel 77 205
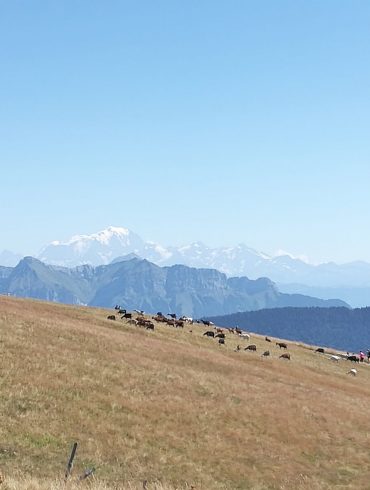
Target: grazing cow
pixel 219 330
pixel 221 341
pixel 353 359
pixel 320 350
pixel 267 339
pixel 111 317
pixel 209 333
pixel 121 311
pixel 353 372
pixel 282 345
pixel 187 319
pixel 266 353
pixel 126 315
pixel 220 335
pixel 334 358
pixel 251 347
pixel 149 325
pixel 159 318
pixel 285 356
pixel 179 324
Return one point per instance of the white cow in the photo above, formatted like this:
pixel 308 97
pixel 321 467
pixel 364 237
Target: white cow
pixel 334 358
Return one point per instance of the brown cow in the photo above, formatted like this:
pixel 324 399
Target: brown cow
pixel 282 345
pixel 285 356
pixel 251 347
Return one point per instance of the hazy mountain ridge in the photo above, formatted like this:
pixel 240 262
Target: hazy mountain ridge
pixel 138 283
pixel 103 247
pixel 9 259
pixel 350 282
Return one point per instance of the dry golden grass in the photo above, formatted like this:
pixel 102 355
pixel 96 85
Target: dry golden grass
pixel 30 483
pixel 172 407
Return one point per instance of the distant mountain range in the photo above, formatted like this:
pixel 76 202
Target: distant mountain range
pixel 340 328
pixel 138 283
pixel 350 281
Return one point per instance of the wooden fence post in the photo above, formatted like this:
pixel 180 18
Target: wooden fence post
pixel 70 461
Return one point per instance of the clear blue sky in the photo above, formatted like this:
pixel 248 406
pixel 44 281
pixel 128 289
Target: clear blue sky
pixel 220 121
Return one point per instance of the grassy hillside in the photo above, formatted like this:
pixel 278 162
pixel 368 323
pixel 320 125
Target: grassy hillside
pixel 172 407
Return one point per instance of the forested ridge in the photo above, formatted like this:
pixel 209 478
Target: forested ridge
pixel 341 328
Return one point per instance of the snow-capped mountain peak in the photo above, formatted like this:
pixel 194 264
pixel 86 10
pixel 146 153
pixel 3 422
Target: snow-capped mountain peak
pixel 240 260
pixel 95 249
pixel 103 236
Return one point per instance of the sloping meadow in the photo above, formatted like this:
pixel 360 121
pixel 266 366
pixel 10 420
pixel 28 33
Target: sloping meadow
pixel 171 408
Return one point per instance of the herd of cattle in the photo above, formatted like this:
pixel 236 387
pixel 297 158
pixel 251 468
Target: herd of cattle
pixel 220 334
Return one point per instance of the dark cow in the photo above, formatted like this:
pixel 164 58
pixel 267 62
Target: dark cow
pixel 285 356
pixel 282 345
pixel 320 350
pixel 221 341
pixel 121 311
pixel 220 335
pixel 149 325
pixel 209 333
pixel 126 315
pixel 353 359
pixel 111 317
pixel 251 347
pixel 172 315
pixel 266 353
pixel 267 339
pixel 159 318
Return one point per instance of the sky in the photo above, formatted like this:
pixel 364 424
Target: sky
pixel 221 121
